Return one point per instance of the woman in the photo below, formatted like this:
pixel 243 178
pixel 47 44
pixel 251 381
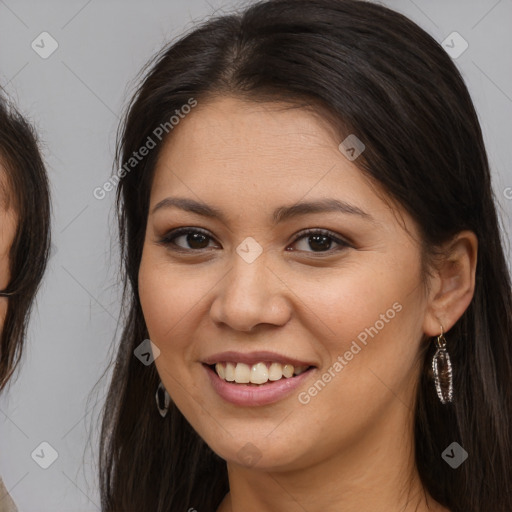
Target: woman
pixel 24 240
pixel 310 242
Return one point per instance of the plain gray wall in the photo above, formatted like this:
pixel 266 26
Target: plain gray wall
pixel 75 97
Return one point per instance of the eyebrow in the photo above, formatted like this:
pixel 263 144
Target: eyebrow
pixel 280 214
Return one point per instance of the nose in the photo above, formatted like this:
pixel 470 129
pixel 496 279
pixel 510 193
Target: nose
pixel 251 294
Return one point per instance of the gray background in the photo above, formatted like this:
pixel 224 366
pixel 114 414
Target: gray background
pixel 74 98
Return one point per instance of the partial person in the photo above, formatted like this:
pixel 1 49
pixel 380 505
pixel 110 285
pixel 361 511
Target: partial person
pixel 24 240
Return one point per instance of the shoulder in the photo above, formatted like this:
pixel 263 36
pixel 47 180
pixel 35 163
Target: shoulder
pixel 6 503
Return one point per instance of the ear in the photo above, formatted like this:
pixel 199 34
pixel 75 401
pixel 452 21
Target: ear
pixel 453 284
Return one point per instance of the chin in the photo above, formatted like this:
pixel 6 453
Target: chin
pixel 260 453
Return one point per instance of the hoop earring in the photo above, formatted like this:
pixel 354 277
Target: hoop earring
pixel 162 400
pixel 442 368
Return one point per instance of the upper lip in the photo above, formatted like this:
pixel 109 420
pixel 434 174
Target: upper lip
pixel 251 358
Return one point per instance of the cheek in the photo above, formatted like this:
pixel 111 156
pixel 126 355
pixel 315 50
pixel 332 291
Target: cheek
pixel 3 311
pixel 163 298
pixel 172 298
pixel 346 302
pixel 368 321
pixel 7 232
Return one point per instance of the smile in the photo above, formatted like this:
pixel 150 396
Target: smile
pixel 256 378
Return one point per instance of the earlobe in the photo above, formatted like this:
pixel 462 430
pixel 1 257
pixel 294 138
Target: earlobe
pixel 455 277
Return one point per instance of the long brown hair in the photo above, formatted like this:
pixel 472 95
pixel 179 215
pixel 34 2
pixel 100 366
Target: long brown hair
pixel 27 190
pixel 384 78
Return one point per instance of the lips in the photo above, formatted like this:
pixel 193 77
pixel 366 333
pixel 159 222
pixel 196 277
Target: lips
pixel 255 378
pixel 252 395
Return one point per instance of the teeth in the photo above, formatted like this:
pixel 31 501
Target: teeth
pixel 300 369
pixel 230 372
pixel 275 372
pixel 242 373
pixel 220 371
pixel 259 373
pixel 288 370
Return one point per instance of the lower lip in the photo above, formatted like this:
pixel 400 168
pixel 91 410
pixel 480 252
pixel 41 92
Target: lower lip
pixel 253 395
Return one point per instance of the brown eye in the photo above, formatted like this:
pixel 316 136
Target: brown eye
pixel 320 241
pixel 193 239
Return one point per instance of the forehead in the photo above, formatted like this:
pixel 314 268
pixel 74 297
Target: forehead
pixel 226 126
pixel 228 145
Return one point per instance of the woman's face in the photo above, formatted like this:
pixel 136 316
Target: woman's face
pixel 7 233
pixel 248 287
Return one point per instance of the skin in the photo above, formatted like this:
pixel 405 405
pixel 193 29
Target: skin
pixel 8 219
pixel 351 447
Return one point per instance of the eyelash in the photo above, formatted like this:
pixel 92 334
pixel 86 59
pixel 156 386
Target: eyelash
pixel 167 240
